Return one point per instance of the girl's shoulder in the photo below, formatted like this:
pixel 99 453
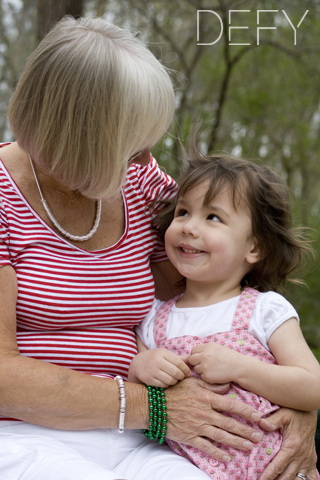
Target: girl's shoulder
pixel 273 301
pixel 273 309
pixel 270 312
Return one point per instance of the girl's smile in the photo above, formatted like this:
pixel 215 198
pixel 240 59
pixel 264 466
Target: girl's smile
pixel 188 249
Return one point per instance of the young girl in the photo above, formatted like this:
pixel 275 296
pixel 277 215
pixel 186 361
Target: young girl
pixel 228 232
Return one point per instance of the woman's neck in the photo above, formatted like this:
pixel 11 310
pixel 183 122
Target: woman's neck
pixel 73 211
pixel 17 163
pixel 51 186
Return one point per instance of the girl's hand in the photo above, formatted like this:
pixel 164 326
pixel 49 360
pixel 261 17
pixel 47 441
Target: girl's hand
pixel 297 453
pixel 157 367
pixel 194 416
pixel 215 363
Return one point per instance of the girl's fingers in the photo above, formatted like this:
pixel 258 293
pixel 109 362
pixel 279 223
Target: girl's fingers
pixel 194 359
pixel 173 371
pixel 177 362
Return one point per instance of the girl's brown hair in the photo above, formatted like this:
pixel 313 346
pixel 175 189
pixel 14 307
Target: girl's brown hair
pixel 283 248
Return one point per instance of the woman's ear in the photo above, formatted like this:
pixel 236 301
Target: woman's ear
pixel 254 254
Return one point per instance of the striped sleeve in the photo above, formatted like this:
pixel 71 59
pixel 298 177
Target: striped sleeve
pixel 4 238
pixel 156 185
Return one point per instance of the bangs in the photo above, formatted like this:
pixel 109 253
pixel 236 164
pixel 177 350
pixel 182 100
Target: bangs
pixel 220 180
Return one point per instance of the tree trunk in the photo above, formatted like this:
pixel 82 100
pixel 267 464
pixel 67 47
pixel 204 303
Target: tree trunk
pixel 51 11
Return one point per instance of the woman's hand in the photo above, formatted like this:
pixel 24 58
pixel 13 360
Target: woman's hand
pixel 297 453
pixel 193 408
pixel 142 159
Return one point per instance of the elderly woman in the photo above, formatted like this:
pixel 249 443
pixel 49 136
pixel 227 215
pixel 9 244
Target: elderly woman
pixel 78 256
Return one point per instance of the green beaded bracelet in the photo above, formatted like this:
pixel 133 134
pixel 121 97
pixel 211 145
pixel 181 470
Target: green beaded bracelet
pixel 157 414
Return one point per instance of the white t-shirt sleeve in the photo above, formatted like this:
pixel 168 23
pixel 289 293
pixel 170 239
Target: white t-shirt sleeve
pixel 145 327
pixel 271 311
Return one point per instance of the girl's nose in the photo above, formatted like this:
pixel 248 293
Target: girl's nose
pixel 190 227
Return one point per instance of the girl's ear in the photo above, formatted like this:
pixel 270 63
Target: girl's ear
pixel 254 254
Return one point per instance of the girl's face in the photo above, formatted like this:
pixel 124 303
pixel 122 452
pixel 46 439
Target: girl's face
pixel 211 244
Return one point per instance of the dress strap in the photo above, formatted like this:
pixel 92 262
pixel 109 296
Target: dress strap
pixel 244 310
pixel 160 322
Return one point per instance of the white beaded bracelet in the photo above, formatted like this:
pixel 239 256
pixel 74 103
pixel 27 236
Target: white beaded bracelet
pixel 122 403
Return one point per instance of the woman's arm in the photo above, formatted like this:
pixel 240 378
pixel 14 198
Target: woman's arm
pixel 53 396
pixel 166 279
pixel 294 382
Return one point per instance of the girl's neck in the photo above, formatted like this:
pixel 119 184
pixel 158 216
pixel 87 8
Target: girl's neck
pixel 198 295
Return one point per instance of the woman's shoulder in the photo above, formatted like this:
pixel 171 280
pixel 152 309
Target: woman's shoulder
pixel 15 163
pixel 9 154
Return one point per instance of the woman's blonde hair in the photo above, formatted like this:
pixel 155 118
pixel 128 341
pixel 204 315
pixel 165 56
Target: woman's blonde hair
pixel 91 96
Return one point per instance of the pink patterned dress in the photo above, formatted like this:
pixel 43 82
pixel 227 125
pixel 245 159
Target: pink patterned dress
pixel 244 465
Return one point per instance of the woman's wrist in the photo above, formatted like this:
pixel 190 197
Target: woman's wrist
pixel 157 414
pixel 132 374
pixel 137 406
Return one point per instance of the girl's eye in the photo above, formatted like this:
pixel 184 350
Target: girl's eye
pixel 181 213
pixel 213 217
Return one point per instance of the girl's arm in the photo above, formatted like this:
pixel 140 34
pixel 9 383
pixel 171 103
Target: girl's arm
pixel 293 383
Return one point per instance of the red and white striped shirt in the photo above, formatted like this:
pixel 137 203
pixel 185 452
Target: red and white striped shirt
pixel 77 308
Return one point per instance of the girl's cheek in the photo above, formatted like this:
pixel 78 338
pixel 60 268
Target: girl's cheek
pixel 168 241
pixel 169 236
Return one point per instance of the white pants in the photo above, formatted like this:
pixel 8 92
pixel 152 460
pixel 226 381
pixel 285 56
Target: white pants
pixel 29 452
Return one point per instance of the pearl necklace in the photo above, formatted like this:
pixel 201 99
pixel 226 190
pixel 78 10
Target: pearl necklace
pixel 63 232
